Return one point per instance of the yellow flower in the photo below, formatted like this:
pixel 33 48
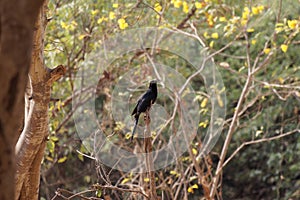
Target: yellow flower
pixel 115 5
pixel 211 44
pixel 191 188
pixel 172 172
pixel 80 37
pixel 292 24
pixel 255 10
pixel 194 151
pixel 95 12
pixel 177 3
pixel 222 19
pixel 204 103
pixel 112 15
pixel 205 34
pixel 250 30
pixel 235 20
pixel 246 9
pixel 279 29
pixel 185 7
pixel 243 22
pixel 210 20
pixel 157 7
pixel 122 23
pixel 198 5
pixel 253 42
pixel 74 23
pixel 203 124
pixel 128 135
pixel 284 47
pixel 267 50
pixel 246 13
pixel 215 35
pixel 100 20
pixel 64 25
pixel 261 8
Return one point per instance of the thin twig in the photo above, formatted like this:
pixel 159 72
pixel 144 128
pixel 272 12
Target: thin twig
pixel 60 190
pixel 85 155
pixel 111 187
pixel 258 141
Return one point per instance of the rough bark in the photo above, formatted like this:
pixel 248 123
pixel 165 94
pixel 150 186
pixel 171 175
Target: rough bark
pixel 35 124
pixel 16 30
pixel 32 141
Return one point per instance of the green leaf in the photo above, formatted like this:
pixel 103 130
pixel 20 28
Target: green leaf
pixel 99 193
pixel 80 156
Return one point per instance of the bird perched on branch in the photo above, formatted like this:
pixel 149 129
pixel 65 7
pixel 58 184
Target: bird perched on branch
pixel 144 103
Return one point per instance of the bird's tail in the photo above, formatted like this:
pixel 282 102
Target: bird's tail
pixel 135 125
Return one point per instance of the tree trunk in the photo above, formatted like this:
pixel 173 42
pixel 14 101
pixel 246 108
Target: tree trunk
pixel 32 142
pixel 16 30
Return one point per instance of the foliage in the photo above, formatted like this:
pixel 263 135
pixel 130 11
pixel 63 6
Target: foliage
pixel 254 32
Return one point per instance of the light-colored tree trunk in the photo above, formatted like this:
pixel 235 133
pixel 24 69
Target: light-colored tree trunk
pixel 32 141
pixel 16 30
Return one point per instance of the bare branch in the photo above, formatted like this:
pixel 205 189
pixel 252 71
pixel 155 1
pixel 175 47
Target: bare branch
pixel 111 187
pixel 256 142
pixel 149 158
pixel 232 126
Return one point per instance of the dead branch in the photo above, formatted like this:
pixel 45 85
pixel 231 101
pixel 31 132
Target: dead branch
pixel 149 158
pixel 256 142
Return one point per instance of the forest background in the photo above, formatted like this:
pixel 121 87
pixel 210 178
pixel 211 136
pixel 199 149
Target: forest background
pixel 253 44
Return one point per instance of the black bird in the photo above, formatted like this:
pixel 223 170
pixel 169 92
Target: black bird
pixel 144 103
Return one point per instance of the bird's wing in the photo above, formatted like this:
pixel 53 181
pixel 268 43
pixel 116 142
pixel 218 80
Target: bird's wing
pixel 141 107
pixel 135 109
pixel 154 98
pixel 143 102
